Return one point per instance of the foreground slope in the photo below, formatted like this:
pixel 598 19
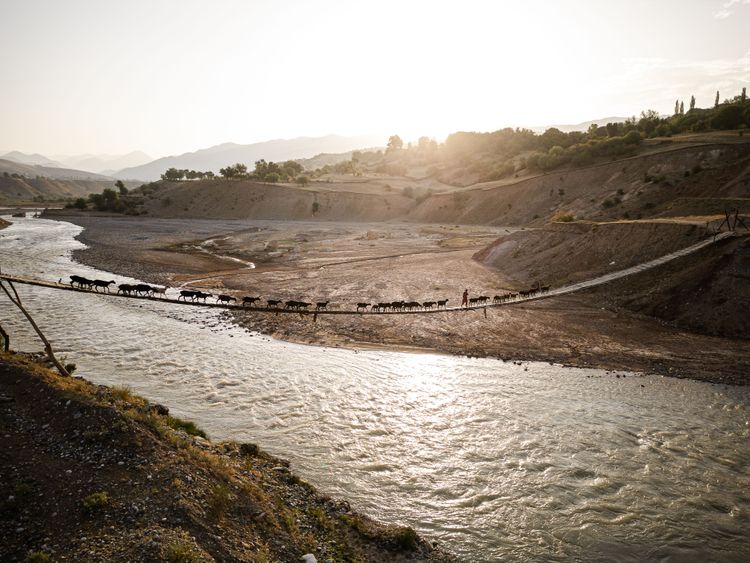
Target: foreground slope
pixel 91 473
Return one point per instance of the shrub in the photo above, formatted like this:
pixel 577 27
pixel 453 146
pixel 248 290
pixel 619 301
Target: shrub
pixel 563 217
pixel 218 502
pixel 95 501
pixel 37 557
pixel 179 552
pixel 315 207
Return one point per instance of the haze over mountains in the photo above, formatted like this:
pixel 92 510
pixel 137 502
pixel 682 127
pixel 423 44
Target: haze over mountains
pixel 220 156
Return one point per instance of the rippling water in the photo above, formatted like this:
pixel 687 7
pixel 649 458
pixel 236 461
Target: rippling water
pixel 496 461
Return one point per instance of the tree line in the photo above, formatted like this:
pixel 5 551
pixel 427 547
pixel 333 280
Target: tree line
pixel 264 172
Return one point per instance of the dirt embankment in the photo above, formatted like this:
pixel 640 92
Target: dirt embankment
pixel 564 253
pixel 91 473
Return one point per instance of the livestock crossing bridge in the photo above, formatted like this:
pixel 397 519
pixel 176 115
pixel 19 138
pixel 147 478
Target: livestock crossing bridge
pixel 564 290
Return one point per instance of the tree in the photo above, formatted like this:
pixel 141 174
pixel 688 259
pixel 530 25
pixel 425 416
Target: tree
pixel 120 186
pixel 676 107
pixel 743 96
pixel 716 103
pixel 272 177
pixel 79 203
pixel 173 175
pixel 682 108
pixel 302 180
pixel 728 117
pixel 394 143
pixel 692 103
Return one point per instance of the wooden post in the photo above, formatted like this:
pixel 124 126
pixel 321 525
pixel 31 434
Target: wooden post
pixel 6 339
pixel 16 300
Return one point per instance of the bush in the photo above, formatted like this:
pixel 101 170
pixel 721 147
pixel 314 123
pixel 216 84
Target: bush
pixel 563 217
pixel 407 539
pixel 95 501
pixel 37 557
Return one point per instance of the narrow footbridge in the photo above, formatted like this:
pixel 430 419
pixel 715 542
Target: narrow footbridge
pixel 563 290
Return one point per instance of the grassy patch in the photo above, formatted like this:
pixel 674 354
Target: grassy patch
pixel 37 557
pixel 186 426
pixel 218 501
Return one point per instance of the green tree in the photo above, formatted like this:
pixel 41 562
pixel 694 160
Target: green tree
pixel 302 180
pixel 743 96
pixel 79 203
pixel 121 187
pixel 692 103
pixel 716 102
pixel 676 107
pixel 272 177
pixel 682 108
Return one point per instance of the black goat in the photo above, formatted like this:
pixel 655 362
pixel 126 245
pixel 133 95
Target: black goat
pixel 322 306
pixel 250 300
pixel 225 298
pixel 364 306
pixel 103 284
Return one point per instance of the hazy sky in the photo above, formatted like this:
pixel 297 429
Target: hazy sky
pixel 100 76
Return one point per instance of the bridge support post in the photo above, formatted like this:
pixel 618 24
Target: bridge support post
pixel 6 339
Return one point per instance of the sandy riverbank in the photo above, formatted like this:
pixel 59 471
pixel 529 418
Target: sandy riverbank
pixel 349 263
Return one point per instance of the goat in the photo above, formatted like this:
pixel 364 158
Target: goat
pixel 81 281
pixel 482 299
pixel 250 301
pixel 428 304
pixel 142 288
pixel 201 295
pixel 322 306
pixel 103 284
pixel 442 303
pixel 125 288
pixel 544 289
pixel 185 293
pixel 273 302
pixel 303 305
pixel 364 306
pixel 159 291
pixel 291 304
pixel 225 298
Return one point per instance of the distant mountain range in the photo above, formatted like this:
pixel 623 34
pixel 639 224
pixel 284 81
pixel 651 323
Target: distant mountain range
pixel 104 163
pixel 226 154
pixel 54 172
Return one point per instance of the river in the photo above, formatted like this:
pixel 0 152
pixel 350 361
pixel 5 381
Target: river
pixel 495 460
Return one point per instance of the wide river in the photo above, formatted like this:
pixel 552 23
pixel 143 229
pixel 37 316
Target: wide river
pixel 494 460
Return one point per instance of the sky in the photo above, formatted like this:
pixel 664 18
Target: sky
pixel 172 76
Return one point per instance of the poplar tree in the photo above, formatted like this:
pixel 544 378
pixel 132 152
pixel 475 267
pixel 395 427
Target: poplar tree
pixel 682 108
pixel 676 107
pixel 744 95
pixel 716 103
pixel 692 103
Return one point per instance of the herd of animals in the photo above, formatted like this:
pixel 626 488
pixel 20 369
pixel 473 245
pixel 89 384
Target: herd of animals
pixel 146 290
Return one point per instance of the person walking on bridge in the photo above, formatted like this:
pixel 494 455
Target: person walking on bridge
pixel 465 298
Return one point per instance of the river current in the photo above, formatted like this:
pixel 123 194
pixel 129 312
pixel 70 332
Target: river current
pixel 496 461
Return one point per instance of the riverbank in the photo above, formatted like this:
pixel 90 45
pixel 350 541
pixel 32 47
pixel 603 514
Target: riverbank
pixel 96 473
pixel 350 263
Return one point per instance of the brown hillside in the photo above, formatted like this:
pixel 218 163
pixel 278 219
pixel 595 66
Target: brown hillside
pixel 26 189
pixel 253 200
pixel 635 187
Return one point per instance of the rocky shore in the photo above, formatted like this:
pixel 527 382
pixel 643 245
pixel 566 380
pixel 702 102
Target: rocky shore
pixel 91 473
